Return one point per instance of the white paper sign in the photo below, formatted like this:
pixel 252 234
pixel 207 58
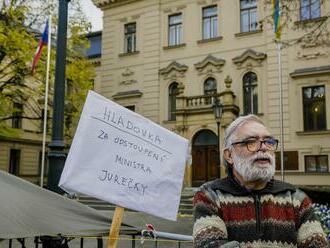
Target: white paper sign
pixel 125 159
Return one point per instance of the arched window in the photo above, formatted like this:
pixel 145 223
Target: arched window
pixel 250 93
pixel 172 93
pixel 210 88
pixel 205 138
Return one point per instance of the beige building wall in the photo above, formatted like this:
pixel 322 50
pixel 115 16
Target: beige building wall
pixel 142 78
pixel 28 140
pixel 29 158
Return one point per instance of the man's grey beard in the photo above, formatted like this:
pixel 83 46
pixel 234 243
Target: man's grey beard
pixel 250 172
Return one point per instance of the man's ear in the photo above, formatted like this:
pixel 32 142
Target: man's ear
pixel 227 155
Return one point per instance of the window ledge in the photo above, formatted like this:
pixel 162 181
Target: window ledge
pixel 321 132
pixel 169 122
pixel 318 19
pixel 242 34
pixel 174 46
pixel 209 40
pixel 128 54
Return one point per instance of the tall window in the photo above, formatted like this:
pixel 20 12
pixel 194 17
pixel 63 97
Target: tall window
pixel 14 161
pixel 210 22
pixel 172 93
pixel 130 38
pixel 17 115
pixel 250 93
pixel 175 29
pixel 249 16
pixel 210 88
pixel 309 9
pixel 314 108
pixel 316 163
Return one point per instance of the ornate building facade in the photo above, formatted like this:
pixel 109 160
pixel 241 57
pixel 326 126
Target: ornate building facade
pixel 169 61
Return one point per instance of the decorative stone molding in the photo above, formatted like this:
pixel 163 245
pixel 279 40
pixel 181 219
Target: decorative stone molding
pixel 207 2
pixel 174 9
pixel 127 94
pixel 312 55
pixel 311 71
pixel 104 3
pixel 180 89
pixel 173 71
pixel 127 77
pixel 210 65
pixel 96 61
pixel 128 82
pixel 127 72
pixel 228 82
pixel 249 54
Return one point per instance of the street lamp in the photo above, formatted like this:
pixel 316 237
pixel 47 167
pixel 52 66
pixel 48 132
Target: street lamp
pixel 56 154
pixel 217 110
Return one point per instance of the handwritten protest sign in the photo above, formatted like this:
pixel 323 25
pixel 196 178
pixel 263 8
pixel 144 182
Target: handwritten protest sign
pixel 123 158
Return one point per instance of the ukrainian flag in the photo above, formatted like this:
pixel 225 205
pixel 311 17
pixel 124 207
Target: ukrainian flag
pixel 276 16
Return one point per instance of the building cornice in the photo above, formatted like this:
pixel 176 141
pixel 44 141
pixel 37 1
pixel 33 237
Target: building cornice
pixel 209 60
pixel 173 66
pixel 311 71
pixel 111 3
pixel 249 53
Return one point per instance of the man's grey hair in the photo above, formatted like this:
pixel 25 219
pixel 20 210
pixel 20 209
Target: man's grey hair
pixel 230 133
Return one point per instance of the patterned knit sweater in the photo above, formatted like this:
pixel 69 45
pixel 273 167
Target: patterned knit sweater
pixel 277 216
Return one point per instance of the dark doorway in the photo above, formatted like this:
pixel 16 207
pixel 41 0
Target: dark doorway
pixel 205 157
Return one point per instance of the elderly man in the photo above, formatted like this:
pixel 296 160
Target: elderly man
pixel 249 208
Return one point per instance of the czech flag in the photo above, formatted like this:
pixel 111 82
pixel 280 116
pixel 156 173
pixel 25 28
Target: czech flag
pixel 276 16
pixel 42 42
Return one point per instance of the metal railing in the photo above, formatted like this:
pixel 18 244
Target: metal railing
pixel 156 238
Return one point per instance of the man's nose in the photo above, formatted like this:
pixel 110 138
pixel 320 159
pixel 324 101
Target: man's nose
pixel 263 147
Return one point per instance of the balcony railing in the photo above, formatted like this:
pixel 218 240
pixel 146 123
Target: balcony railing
pixel 200 101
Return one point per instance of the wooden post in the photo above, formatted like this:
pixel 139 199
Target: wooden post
pixel 115 227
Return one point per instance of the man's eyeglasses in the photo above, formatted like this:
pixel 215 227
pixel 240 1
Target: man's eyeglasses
pixel 254 145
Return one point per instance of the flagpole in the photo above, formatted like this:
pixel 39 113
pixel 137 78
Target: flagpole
pixel 278 44
pixel 44 133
